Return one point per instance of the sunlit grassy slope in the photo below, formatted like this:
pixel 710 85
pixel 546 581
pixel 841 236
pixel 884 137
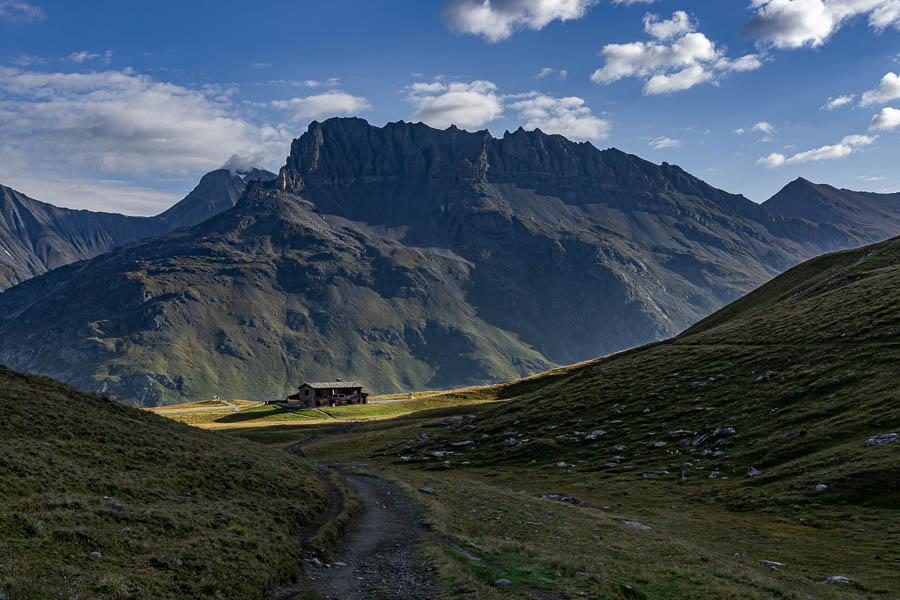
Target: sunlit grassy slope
pixel 171 511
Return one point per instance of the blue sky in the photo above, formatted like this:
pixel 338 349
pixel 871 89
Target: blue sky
pixel 123 105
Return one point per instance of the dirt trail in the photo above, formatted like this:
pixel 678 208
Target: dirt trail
pixel 377 559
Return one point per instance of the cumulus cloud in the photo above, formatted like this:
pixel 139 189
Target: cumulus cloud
pixel 764 127
pixel 497 20
pixel 831 152
pixel 886 120
pixel 440 105
pixel 330 104
pixel 739 131
pixel 19 10
pixel 120 122
pixel 544 72
pixel 838 101
pixel 888 90
pixel 677 58
pixel 661 143
pixel 564 116
pixel 811 23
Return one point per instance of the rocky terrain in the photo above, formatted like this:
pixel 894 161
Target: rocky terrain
pixel 408 258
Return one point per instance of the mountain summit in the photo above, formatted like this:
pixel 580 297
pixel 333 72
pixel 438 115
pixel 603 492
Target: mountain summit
pixel 407 258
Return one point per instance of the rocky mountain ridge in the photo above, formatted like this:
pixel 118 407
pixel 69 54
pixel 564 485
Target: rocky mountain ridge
pixel 407 258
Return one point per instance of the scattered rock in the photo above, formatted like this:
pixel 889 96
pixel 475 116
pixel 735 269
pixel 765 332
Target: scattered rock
pixel 752 472
pixel 765 377
pixel 502 583
pixel 405 459
pixel 821 487
pixel 772 563
pixel 510 442
pixel 461 444
pixel 679 433
pixel 115 506
pixel 315 562
pixel 177 561
pixel 561 465
pixel 637 525
pixel 884 438
pixel 714 475
pixel 426 490
pixel 837 579
pixel 620 447
pixel 595 434
pixel 96 554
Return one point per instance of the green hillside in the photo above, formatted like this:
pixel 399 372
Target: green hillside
pixel 170 511
pixel 759 447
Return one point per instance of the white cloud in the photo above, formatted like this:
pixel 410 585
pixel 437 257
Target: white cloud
pixel 563 74
pixel 102 194
pixel 887 120
pixel 463 104
pixel 497 20
pixel 19 10
pixel 831 152
pixel 677 26
pixel 871 178
pixel 84 56
pixel 330 104
pixel 838 101
pixel 660 143
pixel 544 72
pixel 630 2
pixel 739 131
pixel 765 127
pixel 811 23
pixel 244 162
pixel 564 116
pixel 888 90
pixel 677 58
pixel 69 125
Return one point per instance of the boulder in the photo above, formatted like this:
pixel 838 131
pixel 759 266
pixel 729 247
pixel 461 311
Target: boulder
pixel 837 579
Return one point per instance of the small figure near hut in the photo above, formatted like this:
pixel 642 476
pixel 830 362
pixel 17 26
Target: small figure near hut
pixel 314 394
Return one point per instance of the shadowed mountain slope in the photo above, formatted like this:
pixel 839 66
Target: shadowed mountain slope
pixel 407 258
pixel 868 216
pixel 36 237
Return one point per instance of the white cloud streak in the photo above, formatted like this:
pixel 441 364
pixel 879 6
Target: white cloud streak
pixel 497 20
pixel 838 101
pixel 660 143
pixel 811 23
pixel 831 152
pixel 21 11
pixel 330 104
pixel 678 58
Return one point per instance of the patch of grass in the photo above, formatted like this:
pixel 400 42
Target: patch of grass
pixel 174 512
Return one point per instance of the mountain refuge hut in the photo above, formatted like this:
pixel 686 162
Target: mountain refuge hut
pixel 314 394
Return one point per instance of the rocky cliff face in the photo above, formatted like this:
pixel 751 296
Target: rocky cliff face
pixel 36 237
pixel 407 258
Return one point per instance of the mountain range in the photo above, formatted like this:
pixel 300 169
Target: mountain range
pixel 36 237
pixel 411 258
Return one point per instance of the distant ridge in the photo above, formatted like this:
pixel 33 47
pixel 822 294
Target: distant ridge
pixel 868 216
pixel 36 237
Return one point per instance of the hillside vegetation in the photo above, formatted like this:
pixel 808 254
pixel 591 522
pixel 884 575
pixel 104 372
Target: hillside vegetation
pixel 99 500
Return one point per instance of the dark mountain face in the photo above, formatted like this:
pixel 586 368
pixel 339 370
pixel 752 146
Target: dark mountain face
pixel 36 237
pixel 407 258
pixel 868 216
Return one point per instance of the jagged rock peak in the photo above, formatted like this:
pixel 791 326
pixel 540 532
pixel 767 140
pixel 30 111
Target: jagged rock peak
pixel 347 151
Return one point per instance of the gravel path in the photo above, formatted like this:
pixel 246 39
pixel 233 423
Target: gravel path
pixel 377 560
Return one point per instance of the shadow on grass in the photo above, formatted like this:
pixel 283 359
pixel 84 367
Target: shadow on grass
pixel 255 414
